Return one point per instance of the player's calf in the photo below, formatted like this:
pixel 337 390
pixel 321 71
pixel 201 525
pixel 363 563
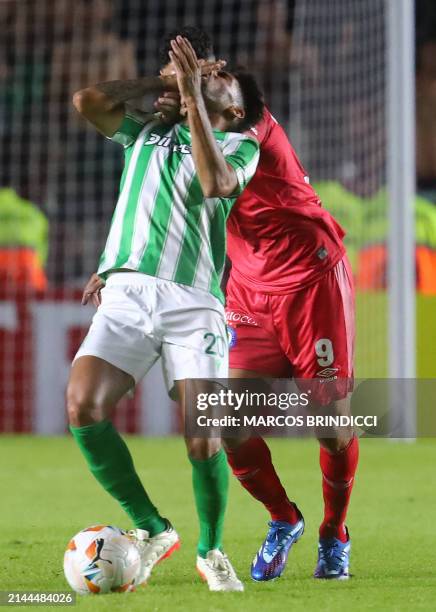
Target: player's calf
pixel 95 387
pixel 252 465
pixel 210 476
pixel 338 472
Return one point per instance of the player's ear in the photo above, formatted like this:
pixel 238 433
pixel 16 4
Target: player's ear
pixel 235 112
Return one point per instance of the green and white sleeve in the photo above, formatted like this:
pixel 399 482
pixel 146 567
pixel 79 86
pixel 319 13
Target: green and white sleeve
pixel 133 123
pixel 243 159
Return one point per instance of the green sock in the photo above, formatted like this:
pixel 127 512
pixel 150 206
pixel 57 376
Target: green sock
pixel 111 463
pixel 210 479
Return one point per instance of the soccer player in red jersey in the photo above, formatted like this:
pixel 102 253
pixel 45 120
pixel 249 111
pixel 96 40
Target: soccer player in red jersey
pixel 290 310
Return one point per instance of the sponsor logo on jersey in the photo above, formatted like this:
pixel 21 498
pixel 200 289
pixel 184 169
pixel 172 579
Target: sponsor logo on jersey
pixel 232 336
pixel 166 141
pixel 240 317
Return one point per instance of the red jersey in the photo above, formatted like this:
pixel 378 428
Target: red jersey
pixel 279 238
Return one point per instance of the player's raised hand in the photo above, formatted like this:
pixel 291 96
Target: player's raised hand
pixel 169 77
pixel 168 106
pixel 92 290
pixel 209 66
pixel 189 70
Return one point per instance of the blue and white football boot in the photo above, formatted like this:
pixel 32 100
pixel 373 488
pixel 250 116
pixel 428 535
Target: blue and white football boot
pixel 333 559
pixel 270 562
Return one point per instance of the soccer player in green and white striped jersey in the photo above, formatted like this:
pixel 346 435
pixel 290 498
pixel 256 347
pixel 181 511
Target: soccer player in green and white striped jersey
pixel 163 262
pixel 163 225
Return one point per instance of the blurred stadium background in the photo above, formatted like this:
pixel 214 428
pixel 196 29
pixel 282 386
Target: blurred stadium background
pixel 328 76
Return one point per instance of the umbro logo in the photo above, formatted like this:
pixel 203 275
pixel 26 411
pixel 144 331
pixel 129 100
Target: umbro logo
pixel 327 372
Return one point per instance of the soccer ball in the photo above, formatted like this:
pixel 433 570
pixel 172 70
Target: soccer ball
pixel 101 559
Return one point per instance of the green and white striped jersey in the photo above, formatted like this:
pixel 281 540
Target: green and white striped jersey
pixel 162 224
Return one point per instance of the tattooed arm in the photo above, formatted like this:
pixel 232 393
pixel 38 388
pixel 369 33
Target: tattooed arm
pixel 104 104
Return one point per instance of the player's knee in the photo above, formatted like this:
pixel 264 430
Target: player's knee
pixel 82 407
pixel 202 448
pixel 230 445
pixel 336 444
pixel 338 437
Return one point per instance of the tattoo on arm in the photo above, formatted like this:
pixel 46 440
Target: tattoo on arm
pixel 122 91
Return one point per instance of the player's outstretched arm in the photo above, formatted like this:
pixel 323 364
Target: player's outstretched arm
pixel 217 178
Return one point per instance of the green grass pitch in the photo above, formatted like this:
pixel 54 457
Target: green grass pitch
pixel 47 495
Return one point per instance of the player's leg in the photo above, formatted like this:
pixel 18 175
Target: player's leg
pixel 320 344
pixel 339 455
pixel 210 482
pixel 255 352
pixel 94 389
pixel 195 347
pixel 251 463
pixel 117 352
pixel 338 458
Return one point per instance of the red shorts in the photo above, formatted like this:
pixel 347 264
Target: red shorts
pixel 305 334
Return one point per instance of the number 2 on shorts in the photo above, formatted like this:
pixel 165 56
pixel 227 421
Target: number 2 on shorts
pixel 216 344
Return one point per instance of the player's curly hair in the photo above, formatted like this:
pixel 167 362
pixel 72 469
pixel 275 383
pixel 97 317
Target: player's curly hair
pixel 252 98
pixel 199 39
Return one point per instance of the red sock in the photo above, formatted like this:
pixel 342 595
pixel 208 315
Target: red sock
pixel 338 472
pixel 251 464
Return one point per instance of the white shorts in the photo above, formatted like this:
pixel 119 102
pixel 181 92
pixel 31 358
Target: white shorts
pixel 142 318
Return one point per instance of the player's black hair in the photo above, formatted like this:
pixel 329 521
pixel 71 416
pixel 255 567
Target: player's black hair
pixel 199 39
pixel 252 98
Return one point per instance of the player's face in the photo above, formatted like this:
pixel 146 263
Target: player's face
pixel 220 88
pixel 221 91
